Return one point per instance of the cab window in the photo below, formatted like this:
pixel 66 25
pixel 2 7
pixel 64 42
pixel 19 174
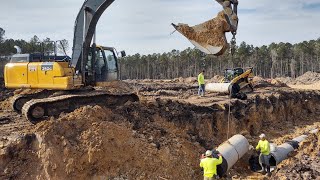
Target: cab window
pixel 19 58
pixel 111 60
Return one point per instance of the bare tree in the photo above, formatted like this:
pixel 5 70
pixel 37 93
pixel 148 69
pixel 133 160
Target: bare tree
pixel 274 56
pixel 2 33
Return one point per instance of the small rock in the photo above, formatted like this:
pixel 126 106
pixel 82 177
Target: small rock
pixel 153 144
pixel 196 143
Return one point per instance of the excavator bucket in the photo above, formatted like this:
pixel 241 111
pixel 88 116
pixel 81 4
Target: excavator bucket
pixel 209 37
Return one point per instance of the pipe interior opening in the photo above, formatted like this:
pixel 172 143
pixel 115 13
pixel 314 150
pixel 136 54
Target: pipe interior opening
pixel 272 161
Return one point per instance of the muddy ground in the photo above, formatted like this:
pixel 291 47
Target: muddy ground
pixel 162 136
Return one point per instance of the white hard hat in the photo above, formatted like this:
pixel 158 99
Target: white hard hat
pixel 208 153
pixel 262 135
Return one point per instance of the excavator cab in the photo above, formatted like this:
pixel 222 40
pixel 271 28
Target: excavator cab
pixel 230 74
pixel 240 76
pixel 103 65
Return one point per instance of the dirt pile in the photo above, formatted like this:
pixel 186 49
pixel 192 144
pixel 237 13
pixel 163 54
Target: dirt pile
pixel 94 142
pixel 4 93
pixel 259 82
pixel 305 164
pixel 308 78
pixel 116 87
pixel 216 79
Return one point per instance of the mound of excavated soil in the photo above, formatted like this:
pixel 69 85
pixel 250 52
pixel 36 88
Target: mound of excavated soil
pixel 4 93
pixel 216 79
pixel 116 87
pixel 308 78
pixel 259 82
pixel 95 142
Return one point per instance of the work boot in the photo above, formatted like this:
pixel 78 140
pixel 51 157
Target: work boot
pixel 263 171
pixel 268 171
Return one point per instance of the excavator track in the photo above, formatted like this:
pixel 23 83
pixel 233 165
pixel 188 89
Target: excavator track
pixel 18 101
pixel 37 109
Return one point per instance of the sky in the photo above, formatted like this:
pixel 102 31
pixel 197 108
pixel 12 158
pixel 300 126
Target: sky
pixel 143 26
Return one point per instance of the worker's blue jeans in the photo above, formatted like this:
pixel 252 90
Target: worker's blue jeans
pixel 264 159
pixel 201 90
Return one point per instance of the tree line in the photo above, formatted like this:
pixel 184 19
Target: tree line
pixel 275 60
pixel 32 46
pixel 269 61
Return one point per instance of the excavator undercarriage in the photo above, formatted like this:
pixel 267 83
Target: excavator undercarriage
pixel 36 110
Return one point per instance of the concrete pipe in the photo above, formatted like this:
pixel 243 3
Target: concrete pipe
pixel 281 152
pixel 218 87
pixel 314 131
pixel 232 150
pixel 300 138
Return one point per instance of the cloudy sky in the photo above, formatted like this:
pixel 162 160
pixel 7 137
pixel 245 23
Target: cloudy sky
pixel 144 26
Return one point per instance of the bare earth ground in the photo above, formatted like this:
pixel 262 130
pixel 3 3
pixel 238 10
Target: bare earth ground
pixel 162 136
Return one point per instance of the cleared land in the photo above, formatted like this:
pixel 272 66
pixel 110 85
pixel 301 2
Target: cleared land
pixel 162 136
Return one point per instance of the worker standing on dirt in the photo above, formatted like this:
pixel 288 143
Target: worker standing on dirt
pixel 265 156
pixel 201 90
pixel 209 165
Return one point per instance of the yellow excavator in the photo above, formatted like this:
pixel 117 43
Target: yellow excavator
pixel 65 82
pixel 235 82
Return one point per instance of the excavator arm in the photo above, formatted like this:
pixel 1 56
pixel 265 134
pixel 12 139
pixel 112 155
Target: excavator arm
pixel 84 29
pixel 209 37
pixel 230 8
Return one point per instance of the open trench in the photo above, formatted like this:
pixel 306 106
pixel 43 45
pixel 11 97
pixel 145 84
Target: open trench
pixel 152 139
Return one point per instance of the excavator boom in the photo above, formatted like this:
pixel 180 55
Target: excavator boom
pixel 209 37
pixel 84 29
